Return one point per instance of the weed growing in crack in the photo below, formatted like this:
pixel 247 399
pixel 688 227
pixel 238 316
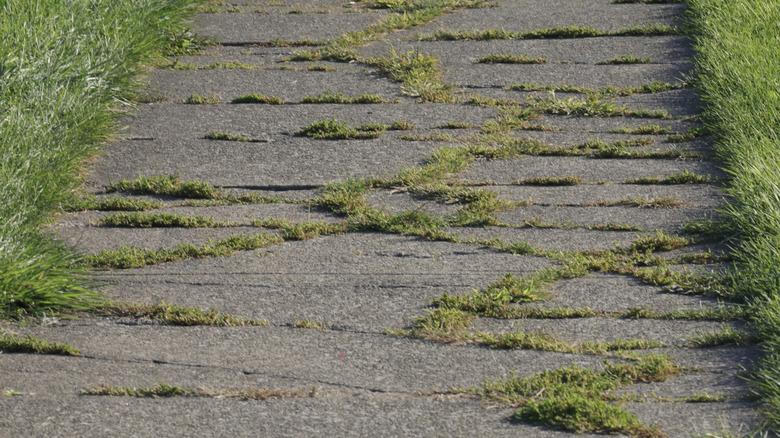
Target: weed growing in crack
pixel 684 137
pixel 494 299
pixel 650 88
pixel 573 398
pixel 403 15
pixel 160 220
pixel 591 106
pixel 644 130
pixel 165 185
pixel 684 177
pixel 132 257
pixel 197 99
pixel 108 203
pixel 169 314
pixel 510 59
pixel 456 125
pixel 727 335
pixel 255 98
pixel 661 202
pixel 550 181
pixel 330 97
pixel 198 193
pixel 661 241
pixel 563 32
pixel 221 65
pixel 11 343
pixel 320 67
pixel 332 129
pixel 301 231
pixel 419 73
pixel 626 59
pixel 231 136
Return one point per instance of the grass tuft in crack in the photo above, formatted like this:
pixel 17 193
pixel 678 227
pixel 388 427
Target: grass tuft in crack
pixel 165 185
pixel 230 136
pixel 168 314
pixel 160 220
pixel 258 99
pixel 108 203
pixel 510 59
pixel 340 98
pixel 563 32
pixel 197 99
pixel 592 106
pixel 132 257
pixel 419 74
pixel 644 130
pixel 625 59
pixel 10 343
pixel 684 177
pixel 727 335
pixel 332 129
pixel 573 398
pixel 551 181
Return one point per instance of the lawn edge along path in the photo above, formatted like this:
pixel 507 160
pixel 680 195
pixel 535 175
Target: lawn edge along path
pixel 738 75
pixel 58 108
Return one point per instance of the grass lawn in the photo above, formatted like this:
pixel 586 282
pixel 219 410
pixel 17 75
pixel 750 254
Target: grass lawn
pixel 65 69
pixel 738 45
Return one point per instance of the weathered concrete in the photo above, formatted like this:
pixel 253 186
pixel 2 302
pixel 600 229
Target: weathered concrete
pixel 366 378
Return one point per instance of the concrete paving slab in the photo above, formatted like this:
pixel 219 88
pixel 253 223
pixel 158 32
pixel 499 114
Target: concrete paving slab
pixel 671 219
pixel 665 49
pixel 592 170
pixel 374 362
pixel 227 28
pixel 290 86
pixel 366 281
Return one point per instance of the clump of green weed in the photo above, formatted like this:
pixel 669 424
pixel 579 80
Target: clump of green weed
pixel 168 314
pixel 340 98
pixel 573 398
pixel 419 73
pixel 165 185
pixel 644 130
pixel 159 220
pixel 727 335
pixel 131 257
pixel 231 136
pixel 109 203
pixel 661 241
pixel 10 343
pixel 511 59
pixel 197 99
pixel 332 129
pixel 684 177
pixel 660 202
pixel 301 231
pixel 442 325
pixel 258 99
pixel 626 59
pixel 551 181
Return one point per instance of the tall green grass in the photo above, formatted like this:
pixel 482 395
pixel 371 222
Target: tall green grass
pixel 66 66
pixel 738 62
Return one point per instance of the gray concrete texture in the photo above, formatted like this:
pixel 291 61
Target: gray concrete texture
pixel 367 380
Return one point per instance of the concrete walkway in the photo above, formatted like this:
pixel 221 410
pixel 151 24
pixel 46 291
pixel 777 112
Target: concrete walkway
pixel 337 303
